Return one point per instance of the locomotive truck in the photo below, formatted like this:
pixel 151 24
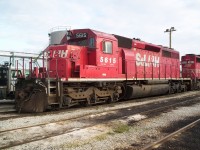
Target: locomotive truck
pixel 87 67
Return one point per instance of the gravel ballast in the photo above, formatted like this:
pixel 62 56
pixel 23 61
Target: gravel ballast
pixel 133 132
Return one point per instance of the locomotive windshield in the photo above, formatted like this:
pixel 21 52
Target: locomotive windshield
pixel 83 42
pixel 78 42
pixel 198 60
pixel 79 39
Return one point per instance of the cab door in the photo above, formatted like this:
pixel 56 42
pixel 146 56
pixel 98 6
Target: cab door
pixel 107 58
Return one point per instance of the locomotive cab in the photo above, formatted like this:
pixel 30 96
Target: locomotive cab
pixel 87 53
pixel 100 60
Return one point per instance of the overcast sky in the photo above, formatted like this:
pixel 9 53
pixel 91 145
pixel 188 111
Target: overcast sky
pixel 24 24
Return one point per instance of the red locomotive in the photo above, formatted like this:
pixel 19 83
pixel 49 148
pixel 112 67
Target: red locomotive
pixel 89 67
pixel 191 68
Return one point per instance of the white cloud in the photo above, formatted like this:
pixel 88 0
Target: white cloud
pixel 26 23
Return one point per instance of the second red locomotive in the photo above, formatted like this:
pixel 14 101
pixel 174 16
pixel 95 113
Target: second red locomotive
pixel 88 67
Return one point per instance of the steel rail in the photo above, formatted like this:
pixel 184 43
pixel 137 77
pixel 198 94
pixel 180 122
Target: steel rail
pixel 166 138
pixel 92 106
pixel 69 110
pixel 92 113
pixel 15 116
pixel 71 130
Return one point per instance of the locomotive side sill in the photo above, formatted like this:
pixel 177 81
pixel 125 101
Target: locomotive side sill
pixel 51 87
pixel 54 104
pixel 52 95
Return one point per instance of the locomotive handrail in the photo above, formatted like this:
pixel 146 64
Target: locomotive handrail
pixel 59 28
pixel 159 71
pixel 152 70
pixel 144 69
pixel 136 70
pixel 57 68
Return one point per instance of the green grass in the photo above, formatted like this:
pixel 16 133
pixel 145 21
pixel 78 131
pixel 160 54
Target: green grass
pixel 77 143
pixel 101 137
pixel 121 128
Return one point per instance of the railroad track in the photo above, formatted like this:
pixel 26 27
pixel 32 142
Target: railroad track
pixel 110 110
pixel 158 143
pixel 6 115
pixel 7 106
pixel 77 119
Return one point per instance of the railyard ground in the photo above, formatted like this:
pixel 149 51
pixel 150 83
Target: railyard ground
pixel 99 128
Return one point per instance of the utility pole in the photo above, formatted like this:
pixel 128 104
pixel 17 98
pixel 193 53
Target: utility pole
pixel 170 35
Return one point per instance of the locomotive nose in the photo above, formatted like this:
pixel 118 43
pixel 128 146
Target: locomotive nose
pixel 33 98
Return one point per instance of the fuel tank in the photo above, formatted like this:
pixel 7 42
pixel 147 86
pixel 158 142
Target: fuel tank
pixel 138 91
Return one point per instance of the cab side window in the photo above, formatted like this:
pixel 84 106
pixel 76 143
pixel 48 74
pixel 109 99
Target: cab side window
pixel 91 42
pixel 107 47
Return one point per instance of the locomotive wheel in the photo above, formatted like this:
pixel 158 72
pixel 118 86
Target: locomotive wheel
pixel 84 103
pixel 171 91
pixel 184 89
pixel 55 107
pixel 179 88
pixel 109 101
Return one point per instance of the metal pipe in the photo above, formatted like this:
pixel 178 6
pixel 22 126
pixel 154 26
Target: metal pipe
pixel 23 67
pixel 18 52
pixel 57 68
pixel 43 65
pixel 31 67
pixel 17 69
pixel 170 35
pixel 170 39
